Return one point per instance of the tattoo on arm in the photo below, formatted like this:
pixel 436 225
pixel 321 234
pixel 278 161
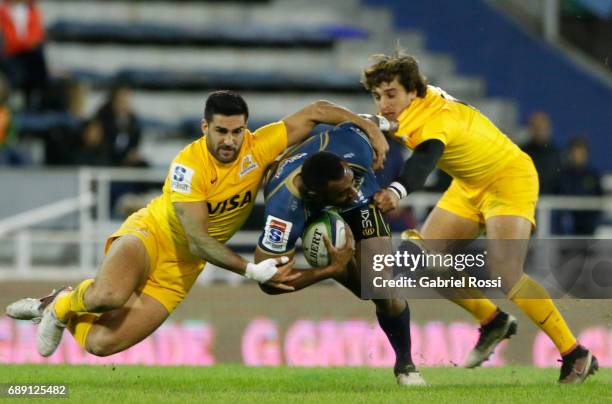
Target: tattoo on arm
pixel 206 247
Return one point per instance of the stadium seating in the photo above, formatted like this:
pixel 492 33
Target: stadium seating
pixel 304 51
pixel 216 36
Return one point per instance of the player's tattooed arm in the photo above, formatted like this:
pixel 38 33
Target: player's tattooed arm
pixel 194 219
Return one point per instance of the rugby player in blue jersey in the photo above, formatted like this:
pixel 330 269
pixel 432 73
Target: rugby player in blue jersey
pixel 333 168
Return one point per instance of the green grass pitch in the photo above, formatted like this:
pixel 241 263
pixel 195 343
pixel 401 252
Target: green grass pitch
pixel 235 383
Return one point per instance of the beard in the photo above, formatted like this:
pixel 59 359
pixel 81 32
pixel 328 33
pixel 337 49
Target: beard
pixel 226 154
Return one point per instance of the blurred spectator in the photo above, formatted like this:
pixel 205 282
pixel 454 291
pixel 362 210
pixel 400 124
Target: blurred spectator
pixel 59 135
pixel 122 132
pixel 62 122
pixel 579 178
pixel 22 49
pixel 91 150
pixel 65 94
pixel 121 128
pixel 8 133
pixel 545 155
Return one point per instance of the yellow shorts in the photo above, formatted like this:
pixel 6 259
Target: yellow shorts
pixel 170 278
pixel 513 191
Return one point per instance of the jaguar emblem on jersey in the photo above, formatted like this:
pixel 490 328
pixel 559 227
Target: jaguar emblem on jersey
pixel 247 165
pixel 276 234
pixel 180 178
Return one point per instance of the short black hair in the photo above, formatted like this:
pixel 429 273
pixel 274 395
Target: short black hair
pixel 320 168
pixel 225 102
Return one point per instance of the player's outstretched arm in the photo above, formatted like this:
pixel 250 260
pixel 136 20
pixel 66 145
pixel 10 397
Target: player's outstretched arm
pixel 414 174
pixel 300 123
pixel 340 257
pixel 194 219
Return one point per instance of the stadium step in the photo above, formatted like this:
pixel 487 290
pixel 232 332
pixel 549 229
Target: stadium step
pixel 199 14
pixel 172 106
pixel 199 68
pixel 111 59
pixel 136 34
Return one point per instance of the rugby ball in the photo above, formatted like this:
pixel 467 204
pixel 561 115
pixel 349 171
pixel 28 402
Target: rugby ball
pixel 330 224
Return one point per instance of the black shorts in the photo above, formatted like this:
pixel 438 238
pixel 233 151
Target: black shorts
pixel 366 221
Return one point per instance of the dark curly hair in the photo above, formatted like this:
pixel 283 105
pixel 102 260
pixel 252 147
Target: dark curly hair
pixel 400 65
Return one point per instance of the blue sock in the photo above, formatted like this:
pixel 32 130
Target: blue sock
pixel 397 329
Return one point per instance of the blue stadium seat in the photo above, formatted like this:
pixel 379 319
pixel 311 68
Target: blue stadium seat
pixel 244 80
pixel 43 122
pixel 235 36
pixel 239 80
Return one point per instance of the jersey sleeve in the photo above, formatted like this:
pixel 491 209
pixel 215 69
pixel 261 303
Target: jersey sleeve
pixel 270 141
pixel 438 127
pixel 283 226
pixel 186 181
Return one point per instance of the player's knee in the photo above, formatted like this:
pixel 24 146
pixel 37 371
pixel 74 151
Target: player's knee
pixel 104 299
pixel 271 290
pixel 101 345
pixel 99 350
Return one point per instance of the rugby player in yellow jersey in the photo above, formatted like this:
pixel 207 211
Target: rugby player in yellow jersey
pixel 494 187
pixel 153 260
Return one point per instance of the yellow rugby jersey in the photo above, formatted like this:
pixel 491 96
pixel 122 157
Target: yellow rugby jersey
pixel 474 148
pixel 229 189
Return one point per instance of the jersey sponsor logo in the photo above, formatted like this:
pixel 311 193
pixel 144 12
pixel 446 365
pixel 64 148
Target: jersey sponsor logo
pixel 276 234
pixel 317 242
pixel 247 165
pixel 365 218
pixel 180 178
pixel 358 131
pixel 281 166
pixel 367 227
pixel 234 202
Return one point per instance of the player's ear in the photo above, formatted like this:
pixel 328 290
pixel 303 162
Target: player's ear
pixel 308 193
pixel 204 127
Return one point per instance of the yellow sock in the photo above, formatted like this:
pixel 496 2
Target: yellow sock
pixel 482 308
pixel 79 326
pixel 535 301
pixel 72 302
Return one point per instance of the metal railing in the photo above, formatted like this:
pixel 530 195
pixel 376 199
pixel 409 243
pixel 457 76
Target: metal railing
pixel 92 205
